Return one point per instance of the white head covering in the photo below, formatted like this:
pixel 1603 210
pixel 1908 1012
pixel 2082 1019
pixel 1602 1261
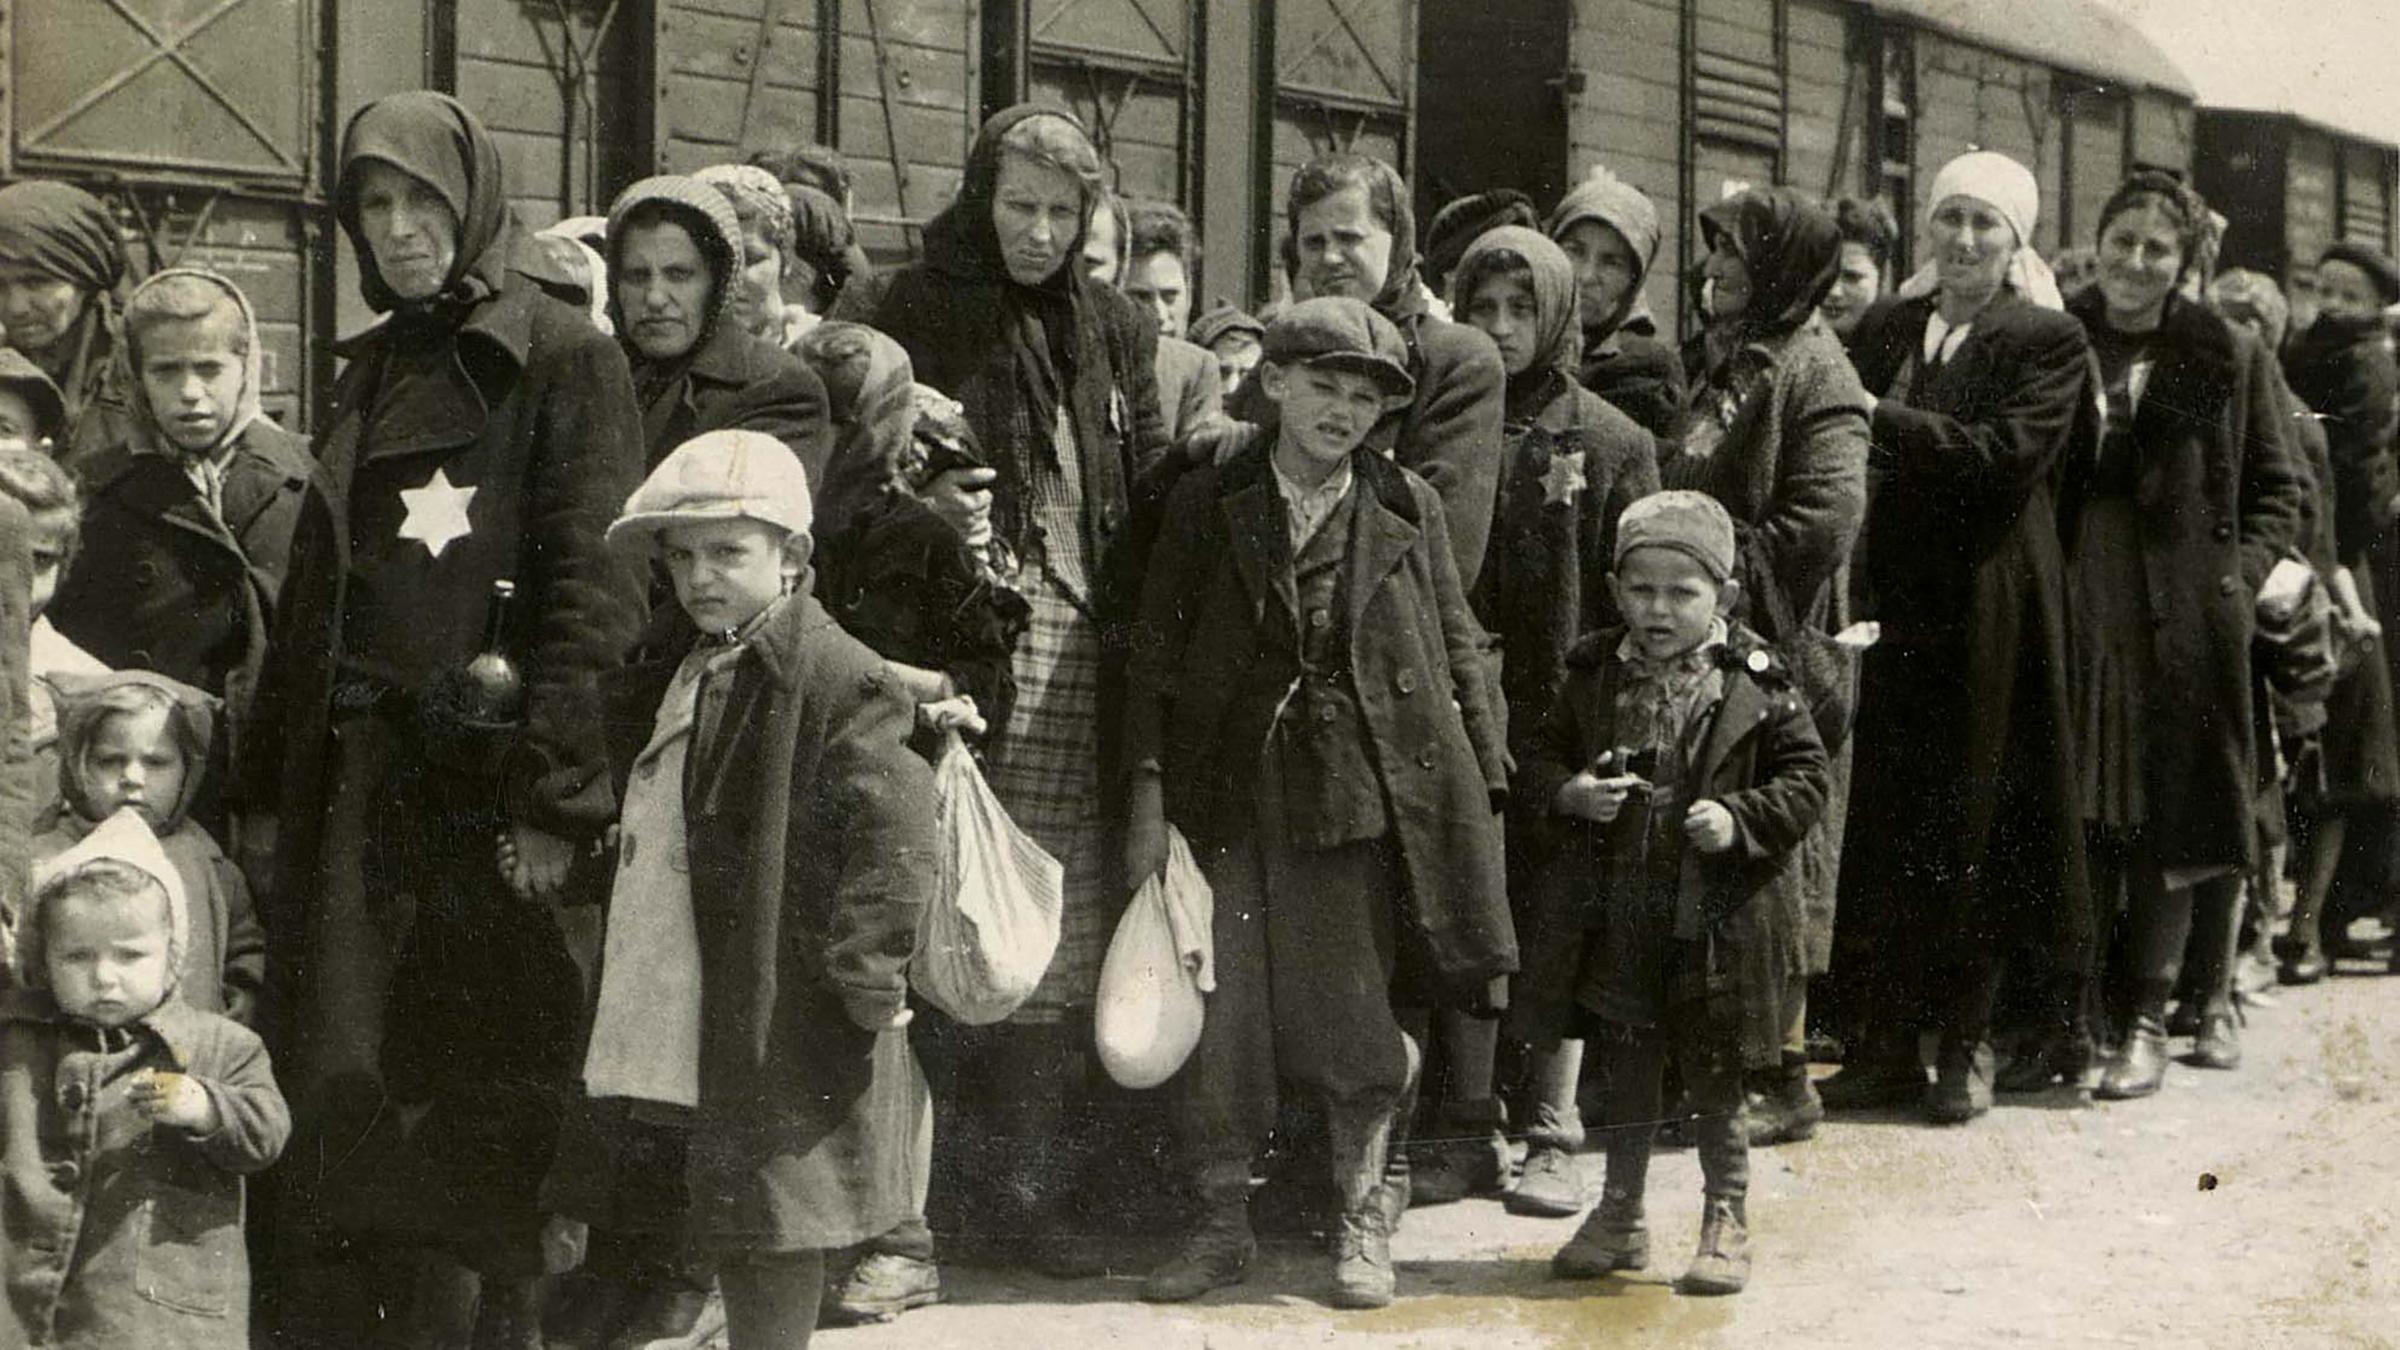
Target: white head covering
pixel 2008 188
pixel 124 838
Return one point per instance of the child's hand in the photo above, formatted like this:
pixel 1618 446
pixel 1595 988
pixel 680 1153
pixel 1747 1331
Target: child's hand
pixel 534 862
pixel 1709 827
pixel 952 714
pixel 563 1243
pixel 1587 796
pixel 174 1099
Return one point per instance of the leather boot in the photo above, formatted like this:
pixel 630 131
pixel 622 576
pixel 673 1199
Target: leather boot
pixel 1220 1248
pixel 2141 1067
pixel 1881 1072
pixel 1614 1237
pixel 1360 1134
pixel 1722 1263
pixel 1783 1105
pixel 1469 1156
pixel 1962 1088
pixel 2219 1044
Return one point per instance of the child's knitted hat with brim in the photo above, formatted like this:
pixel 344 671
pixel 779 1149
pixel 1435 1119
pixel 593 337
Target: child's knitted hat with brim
pixel 1690 523
pixel 718 476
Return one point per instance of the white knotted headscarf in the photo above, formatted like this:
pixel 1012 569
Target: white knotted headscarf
pixel 2008 188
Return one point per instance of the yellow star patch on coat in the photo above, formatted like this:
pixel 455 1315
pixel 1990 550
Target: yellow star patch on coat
pixel 1563 479
pixel 437 513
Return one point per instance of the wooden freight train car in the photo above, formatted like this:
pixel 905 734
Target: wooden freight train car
pixel 1693 100
pixel 2289 186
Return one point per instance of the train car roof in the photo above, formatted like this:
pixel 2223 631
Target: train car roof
pixel 2077 35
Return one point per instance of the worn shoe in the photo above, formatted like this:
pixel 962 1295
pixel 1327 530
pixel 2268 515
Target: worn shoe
pixel 880 1287
pixel 2219 1044
pixel 2039 1067
pixel 1362 1261
pixel 1786 1111
pixel 1217 1255
pixel 1722 1264
pixel 1613 1238
pixel 663 1316
pixel 1549 1187
pixel 2140 1069
pixel 1962 1090
pixel 1866 1084
pixel 1470 1157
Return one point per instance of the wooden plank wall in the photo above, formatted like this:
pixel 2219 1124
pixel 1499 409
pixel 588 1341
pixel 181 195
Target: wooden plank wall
pixel 2310 209
pixel 2097 128
pixel 1631 116
pixel 2162 129
pixel 505 73
pixel 1969 98
pixel 2366 194
pixel 706 53
pixel 1825 152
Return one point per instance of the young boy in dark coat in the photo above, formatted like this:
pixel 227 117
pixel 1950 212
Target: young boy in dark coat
pixel 748 1060
pixel 1313 714
pixel 1673 780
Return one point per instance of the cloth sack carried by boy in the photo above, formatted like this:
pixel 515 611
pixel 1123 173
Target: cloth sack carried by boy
pixel 1161 961
pixel 989 934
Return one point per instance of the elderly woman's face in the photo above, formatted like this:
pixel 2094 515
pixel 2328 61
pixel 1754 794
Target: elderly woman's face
pixel 664 289
pixel 1345 249
pixel 1972 246
pixel 2141 256
pixel 412 234
pixel 1036 210
pixel 1605 268
pixel 36 308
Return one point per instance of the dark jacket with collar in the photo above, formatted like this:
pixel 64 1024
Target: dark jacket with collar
pixel 1641 376
pixel 1211 673
pixel 1760 758
pixel 115 1231
pixel 2220 496
pixel 544 429
pixel 2345 373
pixel 1964 809
pixel 810 827
pixel 162 584
pixel 737 382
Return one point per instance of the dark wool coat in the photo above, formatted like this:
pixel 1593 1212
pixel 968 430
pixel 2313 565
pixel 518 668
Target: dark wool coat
pixel 2344 372
pixel 1965 817
pixel 1545 575
pixel 2220 498
pixel 161 584
pixel 742 383
pixel 117 1232
pixel 1449 434
pixel 1205 695
pixel 810 827
pixel 1761 760
pixel 1641 376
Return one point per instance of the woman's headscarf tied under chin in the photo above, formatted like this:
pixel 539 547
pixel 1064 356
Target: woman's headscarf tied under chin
pixel 435 140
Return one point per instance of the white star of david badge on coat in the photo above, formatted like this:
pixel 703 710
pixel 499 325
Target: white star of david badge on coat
pixel 437 513
pixel 1563 479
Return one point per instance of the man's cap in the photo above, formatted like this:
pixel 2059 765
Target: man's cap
pixel 718 475
pixel 1339 333
pixel 1691 523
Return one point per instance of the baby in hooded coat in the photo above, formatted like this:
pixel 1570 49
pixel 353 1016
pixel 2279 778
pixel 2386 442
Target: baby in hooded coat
pixel 128 1117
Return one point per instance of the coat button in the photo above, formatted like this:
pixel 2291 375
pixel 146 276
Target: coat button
pixel 64 1175
pixel 1424 759
pixel 2224 530
pixel 1406 682
pixel 1319 618
pixel 2225 586
pixel 1325 714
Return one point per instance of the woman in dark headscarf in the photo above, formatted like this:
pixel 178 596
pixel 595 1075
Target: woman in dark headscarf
pixel 1574 464
pixel 1609 229
pixel 2195 500
pixel 1777 431
pixel 824 249
pixel 484 432
pixel 61 271
pixel 1056 373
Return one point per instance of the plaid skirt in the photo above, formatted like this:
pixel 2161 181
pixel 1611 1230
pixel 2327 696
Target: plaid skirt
pixel 1045 768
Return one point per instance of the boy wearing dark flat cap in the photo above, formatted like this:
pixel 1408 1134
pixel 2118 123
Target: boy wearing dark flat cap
pixel 1665 792
pixel 1309 706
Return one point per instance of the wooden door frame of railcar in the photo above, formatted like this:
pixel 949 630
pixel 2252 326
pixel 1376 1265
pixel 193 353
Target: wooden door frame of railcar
pixel 1687 169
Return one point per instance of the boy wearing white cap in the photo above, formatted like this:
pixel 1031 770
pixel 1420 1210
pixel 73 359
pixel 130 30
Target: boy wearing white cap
pixel 1666 791
pixel 751 1084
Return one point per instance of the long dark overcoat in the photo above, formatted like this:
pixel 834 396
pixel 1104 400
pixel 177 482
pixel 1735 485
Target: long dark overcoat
pixel 737 382
pixel 1761 760
pixel 1206 692
pixel 1966 828
pixel 2220 497
pixel 811 833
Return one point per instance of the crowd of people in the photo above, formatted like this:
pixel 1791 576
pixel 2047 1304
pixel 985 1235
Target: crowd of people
pixel 1939 676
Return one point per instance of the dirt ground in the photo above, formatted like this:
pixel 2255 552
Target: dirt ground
pixel 2241 1210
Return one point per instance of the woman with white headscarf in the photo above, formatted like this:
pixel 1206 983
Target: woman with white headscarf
pixel 1966 842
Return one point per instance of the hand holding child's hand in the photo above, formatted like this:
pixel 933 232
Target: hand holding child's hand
pixel 534 862
pixel 1709 827
pixel 174 1099
pixel 1587 796
pixel 563 1243
pixel 963 498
